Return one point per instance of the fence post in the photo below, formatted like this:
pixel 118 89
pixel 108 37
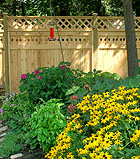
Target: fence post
pixel 7 84
pixel 95 42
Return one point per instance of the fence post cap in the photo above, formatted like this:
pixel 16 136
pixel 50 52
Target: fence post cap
pixel 5 13
pixel 95 14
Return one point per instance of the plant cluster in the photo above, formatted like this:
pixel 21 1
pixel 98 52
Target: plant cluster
pixel 48 83
pixel 45 124
pixel 106 125
pixel 94 82
pixel 33 122
pixel 103 121
pixel 16 109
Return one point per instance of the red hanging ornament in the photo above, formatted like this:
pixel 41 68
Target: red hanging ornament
pixel 52 38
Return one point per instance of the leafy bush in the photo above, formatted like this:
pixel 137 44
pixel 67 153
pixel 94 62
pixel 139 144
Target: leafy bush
pixel 98 81
pixel 95 82
pixel 48 83
pixel 12 143
pixel 45 124
pixel 132 82
pixel 16 109
pixel 106 125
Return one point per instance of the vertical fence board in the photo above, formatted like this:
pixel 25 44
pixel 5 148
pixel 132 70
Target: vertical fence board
pixel 14 68
pixel 7 83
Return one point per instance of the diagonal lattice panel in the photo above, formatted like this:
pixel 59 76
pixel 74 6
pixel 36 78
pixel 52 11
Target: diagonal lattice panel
pixel 118 24
pixel 73 23
pixel 1 25
pixel 77 23
pixel 88 22
pixel 103 24
pixel 110 23
pixel 115 23
pixel 85 23
pixel 137 22
pixel 29 23
pixel 67 22
pixel 63 23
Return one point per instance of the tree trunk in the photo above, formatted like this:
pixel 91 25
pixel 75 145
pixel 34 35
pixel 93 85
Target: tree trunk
pixel 130 38
pixel 22 8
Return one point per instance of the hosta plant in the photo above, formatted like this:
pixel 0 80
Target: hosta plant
pixel 106 126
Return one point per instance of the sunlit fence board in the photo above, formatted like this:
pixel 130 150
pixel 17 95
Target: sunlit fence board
pixel 112 55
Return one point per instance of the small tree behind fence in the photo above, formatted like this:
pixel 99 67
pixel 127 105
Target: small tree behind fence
pixel 88 42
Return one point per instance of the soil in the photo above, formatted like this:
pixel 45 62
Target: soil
pixel 33 154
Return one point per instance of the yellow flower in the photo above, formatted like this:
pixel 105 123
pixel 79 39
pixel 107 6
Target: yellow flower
pixel 122 87
pixel 106 94
pixel 121 148
pixel 135 136
pixel 70 156
pixel 109 134
pixel 135 157
pixel 129 97
pixel 117 142
pixel 103 114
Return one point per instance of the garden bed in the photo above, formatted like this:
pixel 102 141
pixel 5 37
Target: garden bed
pixel 89 115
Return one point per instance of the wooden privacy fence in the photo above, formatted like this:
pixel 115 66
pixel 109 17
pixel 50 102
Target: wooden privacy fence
pixel 88 42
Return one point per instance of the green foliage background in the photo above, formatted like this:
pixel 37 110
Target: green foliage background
pixel 66 7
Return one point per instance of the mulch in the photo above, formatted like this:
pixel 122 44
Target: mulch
pixel 33 154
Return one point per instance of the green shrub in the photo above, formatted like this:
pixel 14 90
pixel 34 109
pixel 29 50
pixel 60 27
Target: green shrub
pixel 106 125
pixel 48 83
pixel 95 82
pixel 131 82
pixel 45 124
pixel 98 81
pixel 16 109
pixel 91 78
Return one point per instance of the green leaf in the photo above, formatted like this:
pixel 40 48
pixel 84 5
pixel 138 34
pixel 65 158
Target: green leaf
pixel 131 83
pixel 72 90
pixel 126 124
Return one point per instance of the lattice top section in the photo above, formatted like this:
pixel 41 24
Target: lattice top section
pixel 42 23
pixel 70 23
pixel 116 23
pixel 28 23
pixel 75 23
pixel 1 25
pixel 110 23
